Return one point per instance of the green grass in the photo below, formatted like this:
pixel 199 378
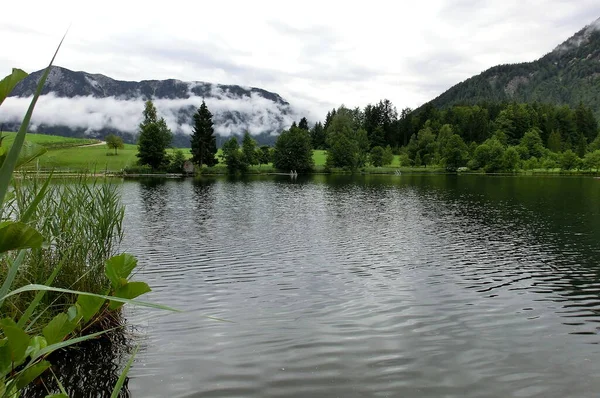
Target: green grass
pixel 93 158
pixel 50 141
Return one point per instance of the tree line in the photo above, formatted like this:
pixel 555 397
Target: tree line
pixel 489 136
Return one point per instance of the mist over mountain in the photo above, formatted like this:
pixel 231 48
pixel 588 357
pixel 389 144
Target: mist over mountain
pixel 80 103
pixel 568 75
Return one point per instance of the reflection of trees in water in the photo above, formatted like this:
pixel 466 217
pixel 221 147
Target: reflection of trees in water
pixel 154 194
pixel 90 369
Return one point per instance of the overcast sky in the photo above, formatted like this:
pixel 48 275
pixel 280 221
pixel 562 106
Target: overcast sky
pixel 316 54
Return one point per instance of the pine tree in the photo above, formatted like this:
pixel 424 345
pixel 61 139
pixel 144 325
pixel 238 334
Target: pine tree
pixel 154 139
pixel 203 141
pixel 303 124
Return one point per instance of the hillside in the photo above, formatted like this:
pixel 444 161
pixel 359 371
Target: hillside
pixel 97 105
pixel 570 74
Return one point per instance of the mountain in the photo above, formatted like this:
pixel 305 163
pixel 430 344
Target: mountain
pixel 81 103
pixel 570 74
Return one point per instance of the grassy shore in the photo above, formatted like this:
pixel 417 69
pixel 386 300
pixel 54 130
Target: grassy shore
pixel 75 155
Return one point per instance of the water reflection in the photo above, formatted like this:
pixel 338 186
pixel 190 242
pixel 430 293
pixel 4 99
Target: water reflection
pixel 91 370
pixel 458 286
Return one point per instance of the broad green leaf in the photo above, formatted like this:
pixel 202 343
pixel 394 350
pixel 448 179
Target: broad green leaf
pixel 18 340
pixel 118 269
pixel 6 363
pixel 117 388
pixel 89 306
pixel 33 287
pixel 32 373
pixel 35 344
pixel 9 82
pixel 61 395
pixel 18 235
pixel 9 163
pixel 58 328
pixel 74 313
pixel 130 291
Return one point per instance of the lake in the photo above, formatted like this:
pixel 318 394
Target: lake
pixel 367 286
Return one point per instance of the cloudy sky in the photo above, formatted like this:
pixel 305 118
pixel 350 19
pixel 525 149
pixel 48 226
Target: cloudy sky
pixel 316 54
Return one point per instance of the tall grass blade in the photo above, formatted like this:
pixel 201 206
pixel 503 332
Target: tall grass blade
pixel 10 277
pixel 117 389
pixel 32 287
pixel 38 198
pixel 10 162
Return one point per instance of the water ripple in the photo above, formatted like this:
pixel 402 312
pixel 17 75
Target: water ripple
pixel 368 286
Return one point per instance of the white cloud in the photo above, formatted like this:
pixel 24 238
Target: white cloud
pixel 255 113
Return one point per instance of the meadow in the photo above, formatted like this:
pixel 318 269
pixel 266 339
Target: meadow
pixel 66 154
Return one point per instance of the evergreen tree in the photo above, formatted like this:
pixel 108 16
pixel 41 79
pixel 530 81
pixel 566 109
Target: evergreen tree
pixel 303 124
pixel 203 140
pixel 554 141
pixel 154 139
pixel 317 136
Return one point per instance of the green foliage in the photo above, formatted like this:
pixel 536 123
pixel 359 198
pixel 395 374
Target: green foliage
pixel 82 223
pixel 203 140
pixel 343 152
pixel 569 160
pixel 233 157
pixel 422 145
pixel 114 142
pixel 293 151
pixel 249 149
pixel 118 268
pixel 554 141
pixel 264 155
pixel 177 160
pixel 154 139
pixel 318 136
pixel 592 160
pixel 489 156
pixel 511 159
pixel 348 143
pixel 9 82
pixel 532 144
pixel 376 156
pixel 17 235
pixel 454 152
pixel 303 124
pixel 21 354
pixel 388 156
pixel 567 75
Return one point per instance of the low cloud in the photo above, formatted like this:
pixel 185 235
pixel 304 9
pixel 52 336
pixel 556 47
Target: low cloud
pixel 231 114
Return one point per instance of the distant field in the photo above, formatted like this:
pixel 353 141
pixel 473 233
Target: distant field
pixel 50 141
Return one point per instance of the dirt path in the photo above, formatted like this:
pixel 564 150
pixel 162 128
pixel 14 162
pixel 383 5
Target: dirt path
pixel 96 144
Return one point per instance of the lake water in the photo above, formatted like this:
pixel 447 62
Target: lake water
pixel 367 286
